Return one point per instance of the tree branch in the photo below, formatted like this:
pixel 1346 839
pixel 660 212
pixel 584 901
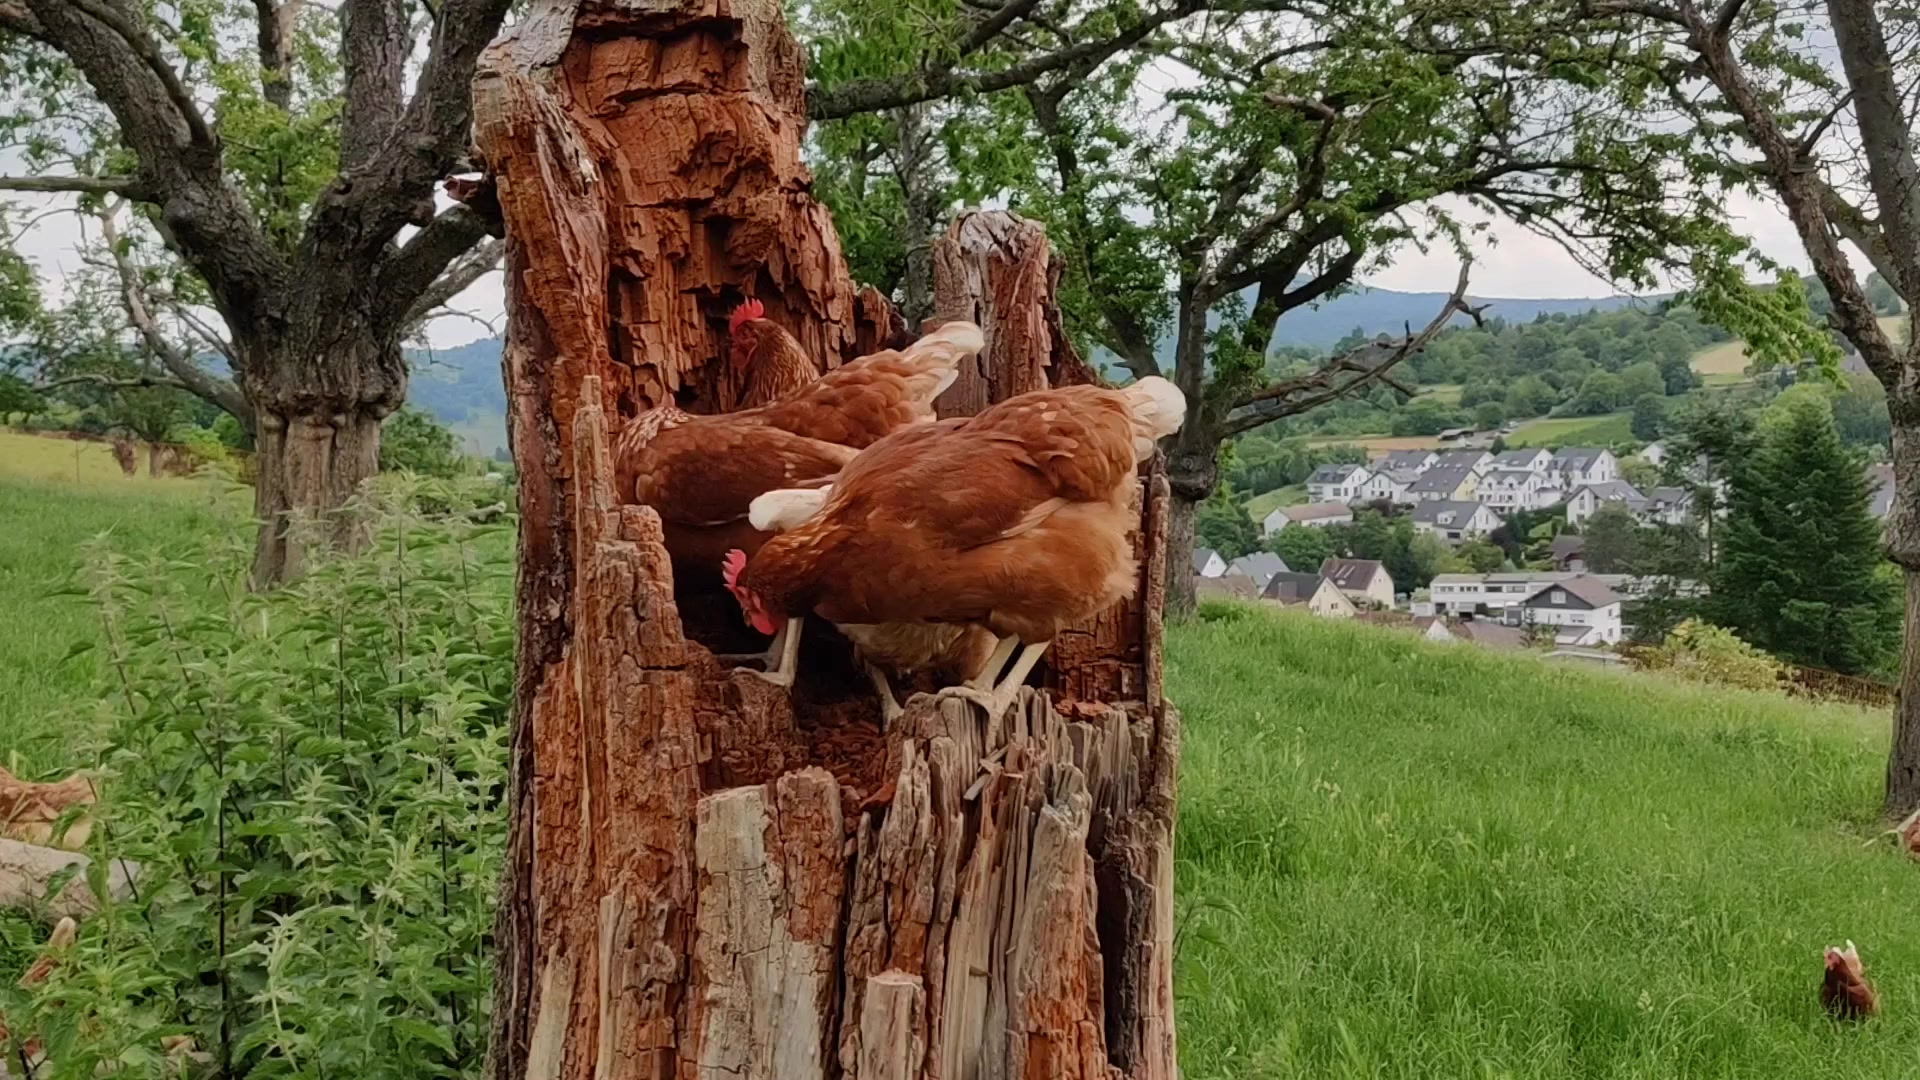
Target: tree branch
pixel 85 185
pixel 187 373
pixel 990 27
pixel 1886 134
pixel 1290 397
pixel 1724 19
pixel 144 47
pixel 858 96
pixel 418 273
pixel 110 382
pixel 374 42
pixel 15 18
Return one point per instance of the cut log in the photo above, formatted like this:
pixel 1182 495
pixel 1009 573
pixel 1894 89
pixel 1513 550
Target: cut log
pixel 49 880
pixel 707 876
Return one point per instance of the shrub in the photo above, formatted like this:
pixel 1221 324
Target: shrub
pixel 1702 652
pixel 312 781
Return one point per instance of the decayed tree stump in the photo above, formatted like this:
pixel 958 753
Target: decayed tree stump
pixel 709 877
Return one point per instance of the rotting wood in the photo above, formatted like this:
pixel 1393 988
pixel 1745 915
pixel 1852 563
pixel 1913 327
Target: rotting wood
pixel 710 877
pixel 53 881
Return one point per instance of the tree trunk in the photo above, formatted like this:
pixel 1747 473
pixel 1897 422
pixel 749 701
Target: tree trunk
pixel 153 460
pixel 913 158
pixel 319 398
pixel 1903 547
pixel 708 877
pixel 1193 470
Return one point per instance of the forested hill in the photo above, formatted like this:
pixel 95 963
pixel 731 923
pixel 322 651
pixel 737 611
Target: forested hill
pixel 461 385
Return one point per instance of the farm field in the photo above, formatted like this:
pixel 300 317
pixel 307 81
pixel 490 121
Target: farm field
pixel 1402 860
pixel 1396 859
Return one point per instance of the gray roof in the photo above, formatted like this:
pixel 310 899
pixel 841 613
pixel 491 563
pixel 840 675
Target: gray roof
pixel 1291 588
pixel 1434 512
pixel 1460 459
pixel 1229 586
pixel 1440 478
pixel 1567 545
pixel 1315 511
pixel 1615 491
pixel 1576 457
pixel 1352 573
pixel 1260 566
pixel 1586 588
pixel 1202 556
pixel 1491 633
pixel 1404 459
pixel 1516 459
pixel 1332 474
pixel 1670 496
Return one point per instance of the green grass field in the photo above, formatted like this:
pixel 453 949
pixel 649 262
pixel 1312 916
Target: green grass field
pixel 1574 431
pixel 1263 504
pixel 46 518
pixel 1396 860
pixel 1410 861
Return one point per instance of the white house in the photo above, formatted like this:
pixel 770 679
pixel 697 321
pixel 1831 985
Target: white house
pixel 1260 566
pixel 1405 461
pixel 1318 595
pixel 1655 454
pixel 1511 490
pixel 1528 459
pixel 1383 486
pixel 1445 484
pixel 1454 521
pixel 1583 609
pixel 1314 515
pixel 1578 465
pixel 1336 483
pixel 1365 581
pixel 1588 499
pixel 1207 563
pixel 1668 506
pixel 1465 594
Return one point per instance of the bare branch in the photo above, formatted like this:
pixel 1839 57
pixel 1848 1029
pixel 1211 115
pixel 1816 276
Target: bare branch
pixel 1728 14
pixel 990 27
pixel 469 268
pixel 186 371
pixel 85 185
pixel 277 25
pixel 1344 375
pixel 112 382
pixel 1886 133
pixel 1811 139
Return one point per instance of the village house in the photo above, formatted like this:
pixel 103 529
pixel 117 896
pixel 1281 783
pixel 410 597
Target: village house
pixel 1512 490
pixel 1483 632
pixel 1492 594
pixel 1315 593
pixel 1383 486
pixel 1568 552
pixel 1226 587
pixel 1445 484
pixel 1527 459
pixel 1577 466
pixel 1588 498
pixel 1405 461
pixel 1880 482
pixel 1476 461
pixel 1454 522
pixel 1364 581
pixel 1312 515
pixel 1668 506
pixel 1207 563
pixel 1583 610
pixel 1259 566
pixel 1655 454
pixel 1336 483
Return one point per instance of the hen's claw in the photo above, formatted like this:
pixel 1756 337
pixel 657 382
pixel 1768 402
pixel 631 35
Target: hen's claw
pixel 890 709
pixel 786 646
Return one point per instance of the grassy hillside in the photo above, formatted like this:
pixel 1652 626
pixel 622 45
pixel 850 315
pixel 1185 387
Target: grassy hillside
pixel 49 516
pixel 1401 860
pixel 1729 358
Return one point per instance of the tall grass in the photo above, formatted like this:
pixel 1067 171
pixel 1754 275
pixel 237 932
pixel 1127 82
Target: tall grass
pixel 1405 860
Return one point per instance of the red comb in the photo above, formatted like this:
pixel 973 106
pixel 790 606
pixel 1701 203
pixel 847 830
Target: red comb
pixel 746 312
pixel 731 566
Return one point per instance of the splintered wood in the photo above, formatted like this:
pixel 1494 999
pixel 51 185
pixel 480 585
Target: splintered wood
pixel 711 878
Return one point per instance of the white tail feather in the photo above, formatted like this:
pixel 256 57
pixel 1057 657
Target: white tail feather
pixel 948 346
pixel 778 511
pixel 1159 408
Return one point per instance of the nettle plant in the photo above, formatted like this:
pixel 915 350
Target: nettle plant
pixel 311 782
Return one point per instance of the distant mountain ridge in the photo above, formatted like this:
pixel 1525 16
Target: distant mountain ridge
pixel 461 386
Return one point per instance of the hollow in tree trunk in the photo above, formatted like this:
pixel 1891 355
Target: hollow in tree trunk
pixel 317 437
pixel 709 877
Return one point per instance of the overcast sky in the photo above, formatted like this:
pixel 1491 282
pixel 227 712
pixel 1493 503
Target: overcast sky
pixel 1515 264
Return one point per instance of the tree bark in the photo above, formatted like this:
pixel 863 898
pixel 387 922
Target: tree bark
pixel 1903 762
pixel 319 395
pixel 709 877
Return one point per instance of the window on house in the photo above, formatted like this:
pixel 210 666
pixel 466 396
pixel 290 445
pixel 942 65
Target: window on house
pixel 1559 597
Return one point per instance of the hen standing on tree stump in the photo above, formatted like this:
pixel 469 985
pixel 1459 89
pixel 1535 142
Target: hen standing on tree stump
pixel 1016 520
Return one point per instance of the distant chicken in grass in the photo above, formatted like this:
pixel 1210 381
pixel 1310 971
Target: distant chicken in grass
pixel 1015 521
pixel 1845 990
